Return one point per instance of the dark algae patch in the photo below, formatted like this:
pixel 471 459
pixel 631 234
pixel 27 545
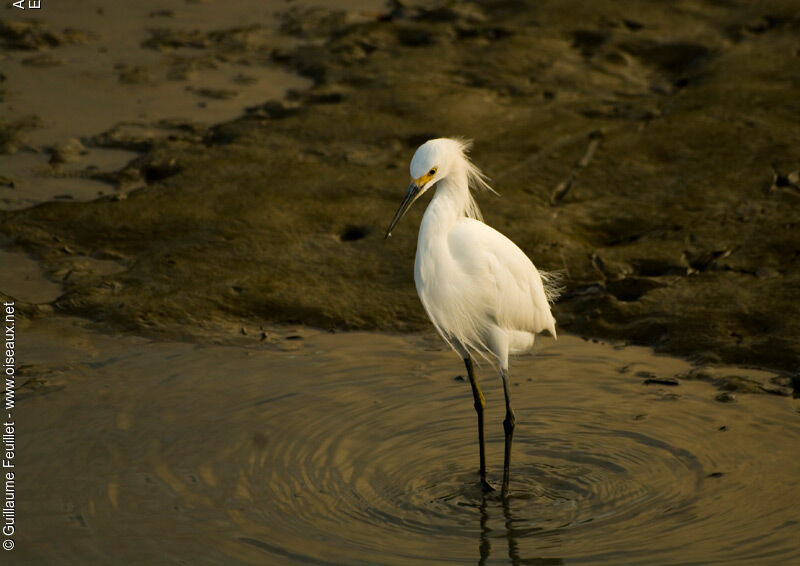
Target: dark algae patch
pixel 648 152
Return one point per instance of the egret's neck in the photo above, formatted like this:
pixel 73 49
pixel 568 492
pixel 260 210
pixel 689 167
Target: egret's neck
pixel 451 202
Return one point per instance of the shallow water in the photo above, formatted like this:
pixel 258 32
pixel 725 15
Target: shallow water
pixel 314 448
pixel 23 278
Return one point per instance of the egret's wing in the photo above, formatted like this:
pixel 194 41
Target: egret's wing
pixel 517 299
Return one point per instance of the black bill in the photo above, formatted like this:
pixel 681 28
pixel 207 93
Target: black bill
pixel 413 192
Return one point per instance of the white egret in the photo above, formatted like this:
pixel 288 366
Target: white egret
pixel 481 291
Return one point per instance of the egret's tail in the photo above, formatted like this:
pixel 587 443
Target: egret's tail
pixel 553 282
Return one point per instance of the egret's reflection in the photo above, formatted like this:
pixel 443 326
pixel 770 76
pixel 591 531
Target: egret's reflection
pixel 485 547
pixel 512 535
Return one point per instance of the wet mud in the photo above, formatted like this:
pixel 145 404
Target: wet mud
pixel 647 151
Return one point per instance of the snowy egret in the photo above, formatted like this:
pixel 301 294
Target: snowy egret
pixel 481 291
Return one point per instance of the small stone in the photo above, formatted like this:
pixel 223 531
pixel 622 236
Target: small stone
pixel 671 381
pixel 214 93
pixel 68 152
pixel 776 390
pixel 796 386
pixel 725 397
pixel 632 25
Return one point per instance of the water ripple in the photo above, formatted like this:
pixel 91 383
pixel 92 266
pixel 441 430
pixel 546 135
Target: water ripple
pixel 347 452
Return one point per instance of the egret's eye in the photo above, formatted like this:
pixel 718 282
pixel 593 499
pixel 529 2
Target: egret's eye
pixel 432 172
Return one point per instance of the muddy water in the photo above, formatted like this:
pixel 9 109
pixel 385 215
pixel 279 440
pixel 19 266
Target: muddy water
pixel 359 448
pixel 23 278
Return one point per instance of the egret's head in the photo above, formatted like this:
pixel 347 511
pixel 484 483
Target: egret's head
pixel 433 161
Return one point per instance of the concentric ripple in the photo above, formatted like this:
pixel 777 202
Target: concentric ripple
pixel 362 449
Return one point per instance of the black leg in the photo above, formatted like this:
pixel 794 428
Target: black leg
pixel 508 426
pixel 480 403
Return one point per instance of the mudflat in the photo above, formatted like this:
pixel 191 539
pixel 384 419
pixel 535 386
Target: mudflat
pixel 222 360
